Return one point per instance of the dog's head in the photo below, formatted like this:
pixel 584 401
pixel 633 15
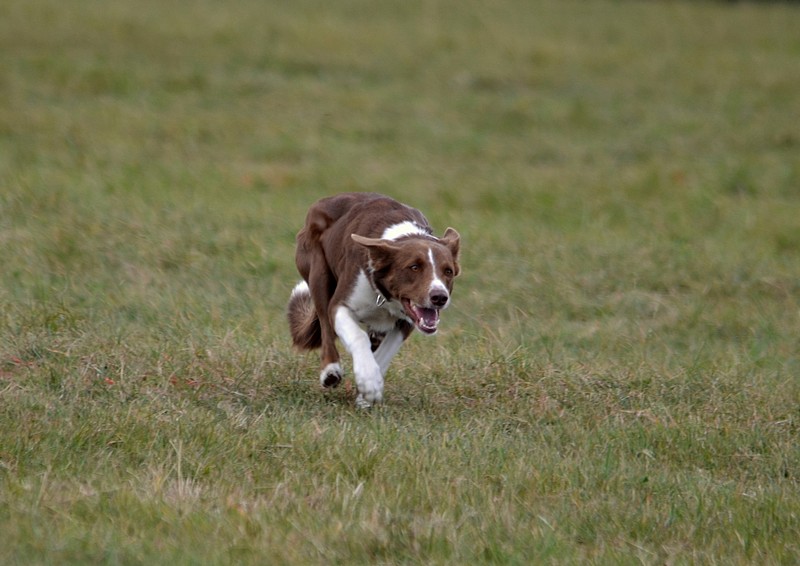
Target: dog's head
pixel 417 271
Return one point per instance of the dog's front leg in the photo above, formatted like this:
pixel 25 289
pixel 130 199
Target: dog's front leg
pixel 369 378
pixel 389 347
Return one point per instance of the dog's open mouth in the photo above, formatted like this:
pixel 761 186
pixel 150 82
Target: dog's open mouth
pixel 425 319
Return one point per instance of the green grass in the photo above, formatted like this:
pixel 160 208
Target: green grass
pixel 618 380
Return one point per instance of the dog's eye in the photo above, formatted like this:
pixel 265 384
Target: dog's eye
pixel 414 267
pixel 448 272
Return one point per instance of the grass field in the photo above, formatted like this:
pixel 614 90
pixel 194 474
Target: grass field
pixel 617 382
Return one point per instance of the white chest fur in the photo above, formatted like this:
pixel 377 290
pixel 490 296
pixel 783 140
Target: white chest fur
pixel 363 303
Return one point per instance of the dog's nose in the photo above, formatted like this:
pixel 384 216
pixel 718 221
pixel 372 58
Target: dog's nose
pixel 439 299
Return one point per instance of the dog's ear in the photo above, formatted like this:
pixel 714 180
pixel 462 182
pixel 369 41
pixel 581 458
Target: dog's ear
pixel 373 242
pixel 452 240
pixel 380 251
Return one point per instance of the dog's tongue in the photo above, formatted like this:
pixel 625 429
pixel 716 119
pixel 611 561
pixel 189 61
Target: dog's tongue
pixel 427 319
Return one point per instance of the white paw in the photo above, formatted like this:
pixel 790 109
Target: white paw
pixel 362 403
pixel 331 375
pixel 369 381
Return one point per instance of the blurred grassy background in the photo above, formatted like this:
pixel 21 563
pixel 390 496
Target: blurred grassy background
pixel 617 380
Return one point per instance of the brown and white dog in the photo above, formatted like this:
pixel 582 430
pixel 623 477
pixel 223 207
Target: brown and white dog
pixel 372 272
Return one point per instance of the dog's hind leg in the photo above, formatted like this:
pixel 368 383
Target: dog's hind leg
pixel 313 267
pixel 376 339
pixel 321 284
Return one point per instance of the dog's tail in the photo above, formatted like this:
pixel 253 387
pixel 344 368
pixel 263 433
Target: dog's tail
pixel 303 320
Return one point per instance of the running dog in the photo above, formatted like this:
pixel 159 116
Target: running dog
pixel 372 272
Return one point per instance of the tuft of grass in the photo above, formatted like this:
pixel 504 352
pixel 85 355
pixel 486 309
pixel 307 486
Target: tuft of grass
pixel 615 383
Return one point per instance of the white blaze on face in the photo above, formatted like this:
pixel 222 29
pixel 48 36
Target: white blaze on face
pixel 436 284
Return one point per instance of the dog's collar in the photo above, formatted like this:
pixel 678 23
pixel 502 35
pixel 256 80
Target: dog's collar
pixel 382 296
